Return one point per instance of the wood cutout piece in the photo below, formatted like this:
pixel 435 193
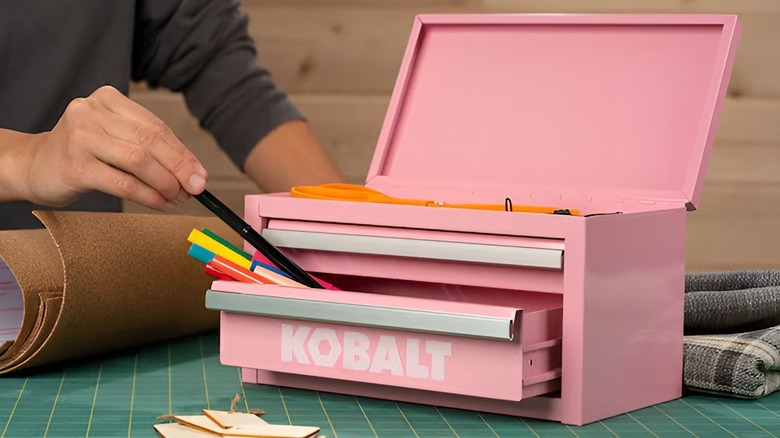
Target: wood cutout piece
pixel 273 431
pixel 205 424
pixel 200 422
pixel 176 430
pixel 227 419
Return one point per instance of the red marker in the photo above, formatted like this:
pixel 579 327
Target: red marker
pixel 235 271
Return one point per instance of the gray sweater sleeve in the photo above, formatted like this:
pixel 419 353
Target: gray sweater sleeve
pixel 203 49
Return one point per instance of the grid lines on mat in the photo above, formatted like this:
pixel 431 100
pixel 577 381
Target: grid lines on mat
pixel 122 395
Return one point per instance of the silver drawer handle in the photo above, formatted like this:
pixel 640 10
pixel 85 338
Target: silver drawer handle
pixel 430 249
pixel 454 324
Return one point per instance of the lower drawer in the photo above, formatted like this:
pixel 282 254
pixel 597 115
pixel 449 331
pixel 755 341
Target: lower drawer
pixel 506 352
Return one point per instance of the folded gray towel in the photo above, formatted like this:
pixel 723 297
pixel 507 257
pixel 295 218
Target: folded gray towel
pixel 745 365
pixel 732 326
pixel 731 302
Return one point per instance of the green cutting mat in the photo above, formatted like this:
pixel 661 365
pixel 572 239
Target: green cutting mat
pixel 120 396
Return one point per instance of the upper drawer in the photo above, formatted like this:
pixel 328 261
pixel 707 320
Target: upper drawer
pixel 425 244
pixel 500 352
pixel 432 256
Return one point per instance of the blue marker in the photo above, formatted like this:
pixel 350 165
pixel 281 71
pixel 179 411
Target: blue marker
pixel 200 253
pixel 256 263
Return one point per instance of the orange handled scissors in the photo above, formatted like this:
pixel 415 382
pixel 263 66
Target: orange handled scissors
pixel 358 193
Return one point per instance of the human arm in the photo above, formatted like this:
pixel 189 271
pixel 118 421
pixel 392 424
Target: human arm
pixel 288 156
pixel 102 142
pixel 202 48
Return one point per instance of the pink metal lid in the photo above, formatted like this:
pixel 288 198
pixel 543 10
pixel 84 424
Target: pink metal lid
pixel 571 106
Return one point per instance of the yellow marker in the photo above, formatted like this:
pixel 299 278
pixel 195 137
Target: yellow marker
pixel 199 238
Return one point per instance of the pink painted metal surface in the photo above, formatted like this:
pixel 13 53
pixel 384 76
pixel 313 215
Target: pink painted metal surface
pixel 385 357
pixel 611 114
pixel 612 107
pixel 375 299
pixel 548 408
pixel 623 314
pixel 409 233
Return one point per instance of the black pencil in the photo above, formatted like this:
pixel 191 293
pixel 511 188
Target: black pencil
pixel 255 239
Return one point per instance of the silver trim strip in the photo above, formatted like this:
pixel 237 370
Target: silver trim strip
pixel 430 249
pixel 454 324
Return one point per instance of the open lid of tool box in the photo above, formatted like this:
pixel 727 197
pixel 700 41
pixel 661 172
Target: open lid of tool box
pixel 619 107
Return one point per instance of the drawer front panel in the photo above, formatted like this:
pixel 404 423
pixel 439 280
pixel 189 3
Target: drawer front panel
pixel 450 364
pixel 443 272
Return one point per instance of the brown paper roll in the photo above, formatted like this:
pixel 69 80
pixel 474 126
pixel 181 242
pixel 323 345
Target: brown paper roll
pixel 99 282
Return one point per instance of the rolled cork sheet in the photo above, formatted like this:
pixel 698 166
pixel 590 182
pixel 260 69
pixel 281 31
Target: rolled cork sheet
pixel 95 283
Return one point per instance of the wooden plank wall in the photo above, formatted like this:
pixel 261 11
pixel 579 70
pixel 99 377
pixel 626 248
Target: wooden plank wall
pixel 338 59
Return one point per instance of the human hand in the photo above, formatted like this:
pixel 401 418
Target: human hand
pixel 109 143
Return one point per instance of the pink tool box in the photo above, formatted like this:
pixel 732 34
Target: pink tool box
pixel 571 318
